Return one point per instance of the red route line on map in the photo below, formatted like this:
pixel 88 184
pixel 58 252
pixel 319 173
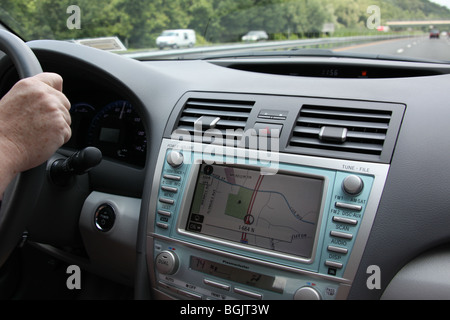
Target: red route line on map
pixel 250 207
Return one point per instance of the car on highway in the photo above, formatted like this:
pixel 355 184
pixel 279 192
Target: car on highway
pixel 434 33
pixel 255 36
pixel 307 167
pixel 176 39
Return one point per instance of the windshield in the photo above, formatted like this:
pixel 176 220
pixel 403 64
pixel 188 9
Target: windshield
pixel 402 28
pixel 168 34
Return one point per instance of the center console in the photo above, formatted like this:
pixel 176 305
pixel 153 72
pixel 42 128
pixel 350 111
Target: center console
pixel 239 224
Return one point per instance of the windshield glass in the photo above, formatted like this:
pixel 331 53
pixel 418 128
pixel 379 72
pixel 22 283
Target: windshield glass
pixel 402 28
pixel 168 34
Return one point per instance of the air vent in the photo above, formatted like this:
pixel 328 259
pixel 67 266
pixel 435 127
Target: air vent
pixel 214 120
pixel 341 130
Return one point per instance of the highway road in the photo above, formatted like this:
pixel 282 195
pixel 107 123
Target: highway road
pixel 415 47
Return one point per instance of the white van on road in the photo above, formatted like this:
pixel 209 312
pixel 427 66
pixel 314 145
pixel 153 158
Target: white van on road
pixel 176 38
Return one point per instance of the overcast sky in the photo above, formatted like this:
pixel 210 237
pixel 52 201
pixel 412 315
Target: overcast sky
pixel 443 2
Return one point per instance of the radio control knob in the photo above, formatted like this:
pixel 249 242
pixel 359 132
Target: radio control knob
pixel 307 293
pixel 175 159
pixel 167 262
pixel 353 185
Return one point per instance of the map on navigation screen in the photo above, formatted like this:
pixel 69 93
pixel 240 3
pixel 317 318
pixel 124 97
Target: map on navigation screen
pixel 277 212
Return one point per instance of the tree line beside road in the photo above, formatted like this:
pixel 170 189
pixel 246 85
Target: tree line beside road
pixel 138 22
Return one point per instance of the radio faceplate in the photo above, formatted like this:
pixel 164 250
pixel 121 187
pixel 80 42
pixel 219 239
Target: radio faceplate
pixel 209 275
pixel 282 228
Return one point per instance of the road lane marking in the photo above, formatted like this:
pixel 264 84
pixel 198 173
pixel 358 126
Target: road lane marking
pixel 365 44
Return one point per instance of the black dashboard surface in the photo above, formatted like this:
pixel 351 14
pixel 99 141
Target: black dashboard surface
pixel 413 214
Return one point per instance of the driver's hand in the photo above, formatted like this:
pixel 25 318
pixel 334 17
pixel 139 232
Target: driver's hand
pixel 34 123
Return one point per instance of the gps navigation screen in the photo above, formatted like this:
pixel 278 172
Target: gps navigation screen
pixel 277 212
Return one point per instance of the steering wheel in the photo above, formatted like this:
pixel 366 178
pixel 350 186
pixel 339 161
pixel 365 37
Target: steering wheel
pixel 22 193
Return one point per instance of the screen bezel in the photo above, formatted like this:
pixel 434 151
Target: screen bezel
pixel 236 247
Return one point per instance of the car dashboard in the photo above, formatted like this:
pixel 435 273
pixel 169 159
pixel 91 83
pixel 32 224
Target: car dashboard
pixel 253 178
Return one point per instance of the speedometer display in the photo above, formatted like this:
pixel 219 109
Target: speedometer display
pixel 117 130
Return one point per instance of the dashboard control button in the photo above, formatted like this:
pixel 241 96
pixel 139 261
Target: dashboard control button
pixel 162 225
pixel 165 200
pixel 168 287
pixel 216 284
pixel 169 189
pixel 104 217
pixel 342 235
pixel 348 206
pixel 165 213
pixel 167 262
pixel 190 295
pixel 172 177
pixel 175 159
pixel 333 264
pixel 307 293
pixel 267 129
pixel 353 185
pixel 247 293
pixel 352 222
pixel 337 249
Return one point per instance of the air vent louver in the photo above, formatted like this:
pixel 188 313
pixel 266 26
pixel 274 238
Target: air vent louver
pixel 225 118
pixel 363 131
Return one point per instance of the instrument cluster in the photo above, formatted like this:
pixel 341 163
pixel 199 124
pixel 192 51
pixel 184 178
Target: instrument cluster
pixel 112 126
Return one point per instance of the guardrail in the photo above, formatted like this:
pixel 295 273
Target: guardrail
pixel 195 52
